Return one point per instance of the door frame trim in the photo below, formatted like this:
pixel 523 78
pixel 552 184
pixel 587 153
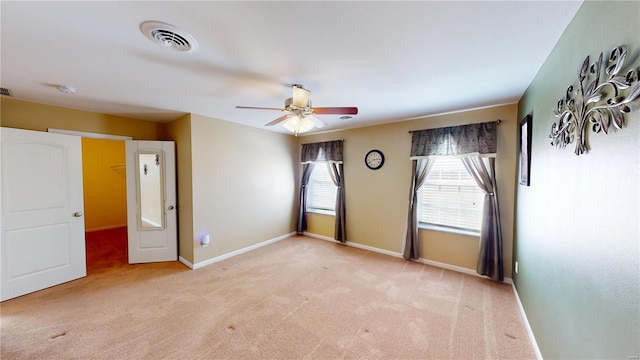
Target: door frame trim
pixel 90 134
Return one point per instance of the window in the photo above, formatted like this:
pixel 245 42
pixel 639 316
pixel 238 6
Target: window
pixel 450 197
pixel 321 192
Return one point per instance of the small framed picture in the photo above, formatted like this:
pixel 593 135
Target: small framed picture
pixel 525 151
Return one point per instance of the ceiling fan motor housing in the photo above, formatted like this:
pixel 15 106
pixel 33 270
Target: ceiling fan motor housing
pixel 289 106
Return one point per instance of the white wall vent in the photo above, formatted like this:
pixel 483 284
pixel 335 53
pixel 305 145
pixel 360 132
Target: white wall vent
pixel 168 36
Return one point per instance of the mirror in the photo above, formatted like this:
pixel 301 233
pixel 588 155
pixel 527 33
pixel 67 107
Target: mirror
pixel 150 190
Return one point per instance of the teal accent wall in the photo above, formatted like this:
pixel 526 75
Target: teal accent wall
pixel 577 239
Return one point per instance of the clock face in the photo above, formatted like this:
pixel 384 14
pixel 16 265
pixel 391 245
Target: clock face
pixel 374 159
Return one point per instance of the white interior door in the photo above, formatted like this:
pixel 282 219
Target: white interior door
pixel 151 201
pixel 42 242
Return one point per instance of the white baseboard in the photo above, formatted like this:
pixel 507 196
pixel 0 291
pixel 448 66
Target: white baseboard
pixel 399 255
pixel 234 253
pixel 321 237
pixel 532 337
pixel 459 269
pixel 374 249
pixel 355 245
pixel 455 268
pixel 186 262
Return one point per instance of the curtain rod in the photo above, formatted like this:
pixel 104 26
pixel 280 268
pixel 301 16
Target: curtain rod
pixel 497 122
pixel 321 141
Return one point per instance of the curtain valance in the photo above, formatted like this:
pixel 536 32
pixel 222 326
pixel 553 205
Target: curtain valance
pixel 477 139
pixel 322 151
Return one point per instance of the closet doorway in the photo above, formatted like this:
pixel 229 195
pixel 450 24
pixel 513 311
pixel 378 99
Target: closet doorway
pixel 129 202
pixel 105 203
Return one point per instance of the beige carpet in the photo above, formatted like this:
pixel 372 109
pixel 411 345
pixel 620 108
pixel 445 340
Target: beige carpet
pixel 300 298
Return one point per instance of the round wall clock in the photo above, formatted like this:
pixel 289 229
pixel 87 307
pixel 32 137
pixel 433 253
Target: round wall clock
pixel 374 159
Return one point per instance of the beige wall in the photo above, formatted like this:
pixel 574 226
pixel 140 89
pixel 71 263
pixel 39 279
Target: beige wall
pixel 33 116
pixel 104 184
pixel 453 249
pixel 321 224
pixel 244 182
pixel 377 200
pixel 180 132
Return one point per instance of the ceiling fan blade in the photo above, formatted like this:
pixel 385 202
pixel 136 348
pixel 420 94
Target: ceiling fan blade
pixel 278 120
pixel 258 108
pixel 300 96
pixel 336 110
pixel 317 122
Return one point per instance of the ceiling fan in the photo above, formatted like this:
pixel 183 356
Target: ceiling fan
pixel 301 115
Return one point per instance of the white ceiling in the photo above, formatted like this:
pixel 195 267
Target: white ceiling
pixel 393 60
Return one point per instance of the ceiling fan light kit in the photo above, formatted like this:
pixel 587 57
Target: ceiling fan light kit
pixel 298 125
pixel 301 117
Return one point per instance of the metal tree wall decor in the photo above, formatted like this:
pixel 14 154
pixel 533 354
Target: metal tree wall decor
pixel 599 103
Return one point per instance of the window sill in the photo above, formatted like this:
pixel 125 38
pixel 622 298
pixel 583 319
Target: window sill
pixel 321 211
pixel 448 229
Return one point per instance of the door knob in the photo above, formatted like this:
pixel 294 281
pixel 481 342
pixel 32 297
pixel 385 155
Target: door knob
pixel 77 214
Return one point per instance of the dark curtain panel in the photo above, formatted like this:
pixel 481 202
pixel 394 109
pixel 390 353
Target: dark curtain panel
pixel 420 169
pixel 490 260
pixel 337 175
pixel 455 140
pixel 302 205
pixel 331 152
pixel 322 151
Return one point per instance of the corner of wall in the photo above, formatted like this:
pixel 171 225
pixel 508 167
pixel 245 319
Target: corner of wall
pixel 179 131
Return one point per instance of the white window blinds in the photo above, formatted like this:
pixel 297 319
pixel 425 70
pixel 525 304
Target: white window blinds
pixel 450 197
pixel 321 193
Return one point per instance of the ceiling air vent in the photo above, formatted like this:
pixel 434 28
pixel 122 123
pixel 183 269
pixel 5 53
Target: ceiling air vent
pixel 168 36
pixel 5 92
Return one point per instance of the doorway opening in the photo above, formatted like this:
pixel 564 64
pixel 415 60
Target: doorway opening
pixel 105 203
